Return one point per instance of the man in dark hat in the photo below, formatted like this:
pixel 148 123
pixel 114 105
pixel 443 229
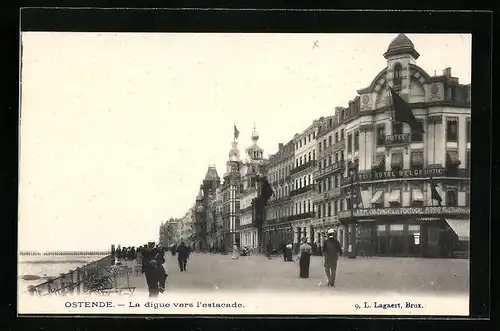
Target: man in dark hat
pixel 182 255
pixel 331 252
pixel 150 270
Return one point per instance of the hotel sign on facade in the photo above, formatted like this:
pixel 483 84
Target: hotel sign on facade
pixel 407 211
pixel 406 173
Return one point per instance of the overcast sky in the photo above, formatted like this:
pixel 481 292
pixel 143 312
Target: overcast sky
pixel 117 130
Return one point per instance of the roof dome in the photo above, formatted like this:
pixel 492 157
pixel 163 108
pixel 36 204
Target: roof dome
pixel 255 135
pixel 401 44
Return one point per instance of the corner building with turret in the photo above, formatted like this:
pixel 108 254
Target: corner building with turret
pixel 382 204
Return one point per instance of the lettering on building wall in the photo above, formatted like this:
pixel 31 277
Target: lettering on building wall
pixel 406 173
pixel 411 211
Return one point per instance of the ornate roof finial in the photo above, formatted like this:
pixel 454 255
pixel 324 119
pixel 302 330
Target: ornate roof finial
pixel 255 135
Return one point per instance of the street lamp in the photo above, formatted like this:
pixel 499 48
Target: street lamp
pixel 352 174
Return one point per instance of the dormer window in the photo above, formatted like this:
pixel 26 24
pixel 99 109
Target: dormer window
pixel 398 74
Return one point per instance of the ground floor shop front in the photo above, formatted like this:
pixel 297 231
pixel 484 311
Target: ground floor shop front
pixel 408 237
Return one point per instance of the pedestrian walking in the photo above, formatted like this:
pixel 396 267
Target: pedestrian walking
pixel 304 258
pixel 331 252
pixel 288 252
pixel 149 269
pixel 160 269
pixel 236 252
pixel 269 250
pixel 182 255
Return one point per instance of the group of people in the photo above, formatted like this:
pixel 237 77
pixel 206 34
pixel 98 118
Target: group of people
pixel 331 250
pixel 152 257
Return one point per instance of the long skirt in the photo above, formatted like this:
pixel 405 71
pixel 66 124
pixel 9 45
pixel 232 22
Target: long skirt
pixel 304 262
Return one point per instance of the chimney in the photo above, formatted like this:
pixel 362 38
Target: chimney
pixel 280 146
pixel 447 72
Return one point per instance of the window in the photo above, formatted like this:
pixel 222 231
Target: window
pixel 417 160
pixel 397 128
pixel 319 212
pixel 451 130
pixel 398 75
pixel 324 163
pixel 330 122
pixel 329 140
pixel 319 187
pixel 324 185
pixel 341 155
pixel 451 196
pixel 342 117
pixel 308 205
pixel 341 206
pixel 349 143
pixel 319 146
pixel 329 183
pixel 417 137
pixel 468 132
pixel 330 209
pixel 324 209
pixel 310 182
pixel 336 181
pixel 309 156
pixel 296 163
pixel 334 207
pixel 336 157
pixel 314 135
pixel 381 135
pixel 300 143
pixel 397 161
pixel 342 134
pixel 329 160
pixel 356 141
pixel 336 137
pixel 314 154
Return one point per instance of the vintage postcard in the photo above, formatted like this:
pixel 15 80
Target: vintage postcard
pixel 284 174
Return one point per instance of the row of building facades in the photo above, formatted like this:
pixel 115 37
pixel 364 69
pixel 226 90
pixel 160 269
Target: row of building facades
pixel 356 171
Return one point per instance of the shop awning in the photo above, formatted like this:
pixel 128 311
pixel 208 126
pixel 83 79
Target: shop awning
pixel 461 228
pixel 395 196
pixel 397 160
pixel 452 158
pixel 417 195
pixel 379 162
pixel 377 197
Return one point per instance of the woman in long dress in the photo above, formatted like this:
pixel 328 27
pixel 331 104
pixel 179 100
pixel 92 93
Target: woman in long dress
pixel 236 252
pixel 304 258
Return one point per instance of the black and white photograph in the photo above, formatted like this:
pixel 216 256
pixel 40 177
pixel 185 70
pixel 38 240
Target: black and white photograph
pixel 244 173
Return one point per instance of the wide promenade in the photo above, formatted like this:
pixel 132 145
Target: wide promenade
pixel 214 272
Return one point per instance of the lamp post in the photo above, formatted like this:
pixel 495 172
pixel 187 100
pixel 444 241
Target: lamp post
pixel 352 254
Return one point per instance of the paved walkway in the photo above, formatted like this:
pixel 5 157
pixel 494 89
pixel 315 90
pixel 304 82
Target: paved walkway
pixel 219 272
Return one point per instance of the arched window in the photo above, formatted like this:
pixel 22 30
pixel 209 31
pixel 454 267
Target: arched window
pixel 398 74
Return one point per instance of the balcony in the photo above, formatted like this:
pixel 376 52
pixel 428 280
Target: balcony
pixel 435 211
pixel 397 139
pixel 302 216
pixel 302 190
pixel 340 165
pixel 304 166
pixel 327 195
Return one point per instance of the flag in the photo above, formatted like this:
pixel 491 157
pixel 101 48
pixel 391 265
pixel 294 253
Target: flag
pixel 358 200
pixel 236 132
pixel 266 190
pixel 404 114
pixel 434 193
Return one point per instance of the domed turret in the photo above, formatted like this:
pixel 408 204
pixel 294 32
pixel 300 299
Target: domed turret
pixel 255 135
pixel 401 45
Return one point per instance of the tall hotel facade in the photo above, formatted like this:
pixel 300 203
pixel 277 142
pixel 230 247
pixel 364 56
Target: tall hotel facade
pixel 395 169
pixel 277 228
pixel 303 186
